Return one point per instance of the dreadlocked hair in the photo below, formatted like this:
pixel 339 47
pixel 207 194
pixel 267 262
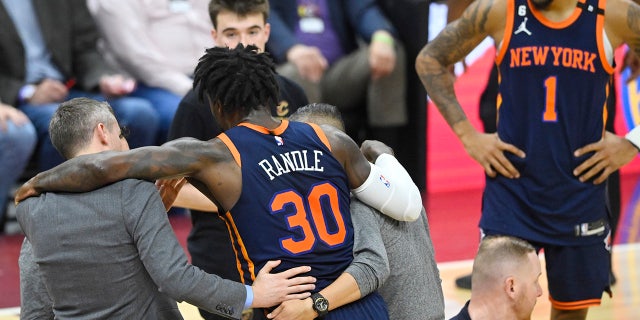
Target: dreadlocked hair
pixel 239 79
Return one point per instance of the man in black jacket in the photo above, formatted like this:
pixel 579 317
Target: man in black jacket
pixel 233 22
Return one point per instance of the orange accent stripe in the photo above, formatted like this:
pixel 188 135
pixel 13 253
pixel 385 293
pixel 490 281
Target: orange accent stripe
pixel 276 131
pixel 320 134
pixel 508 30
pixel 281 128
pixel 605 112
pixel 556 25
pixel 235 252
pixel 600 39
pixel 575 305
pixel 232 147
pixel 234 234
pixel 499 97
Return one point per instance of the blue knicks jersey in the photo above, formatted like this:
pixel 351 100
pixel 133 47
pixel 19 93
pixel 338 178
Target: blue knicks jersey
pixel 554 83
pixel 294 204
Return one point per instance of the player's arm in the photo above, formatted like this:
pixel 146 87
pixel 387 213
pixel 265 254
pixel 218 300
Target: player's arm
pixel 481 19
pixel 88 172
pixel 179 193
pixel 342 291
pixel 385 185
pixel 370 265
pixel 450 46
pixel 622 25
pixel 366 273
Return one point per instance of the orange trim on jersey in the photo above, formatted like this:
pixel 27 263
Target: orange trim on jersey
pixel 321 135
pixel 600 39
pixel 556 25
pixel 235 235
pixel 575 305
pixel 232 147
pixel 508 31
pixel 235 252
pixel 499 97
pixel 276 131
pixel 605 112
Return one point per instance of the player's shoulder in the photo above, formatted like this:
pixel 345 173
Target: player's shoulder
pixel 620 21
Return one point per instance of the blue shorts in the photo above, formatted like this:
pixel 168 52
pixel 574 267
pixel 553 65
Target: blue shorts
pixel 576 275
pixel 371 307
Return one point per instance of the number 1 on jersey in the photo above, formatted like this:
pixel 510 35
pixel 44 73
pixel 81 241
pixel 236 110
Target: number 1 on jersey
pixel 550 100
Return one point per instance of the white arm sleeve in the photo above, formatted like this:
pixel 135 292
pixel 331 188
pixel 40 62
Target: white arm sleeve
pixel 634 136
pixel 389 189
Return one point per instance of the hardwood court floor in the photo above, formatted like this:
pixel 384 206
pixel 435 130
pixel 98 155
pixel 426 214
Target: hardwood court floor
pixel 625 304
pixel 453 220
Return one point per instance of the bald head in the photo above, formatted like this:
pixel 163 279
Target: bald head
pixel 319 113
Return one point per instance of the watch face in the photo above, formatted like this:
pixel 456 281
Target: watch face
pixel 321 304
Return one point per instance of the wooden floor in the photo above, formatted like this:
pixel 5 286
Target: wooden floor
pixel 625 304
pixel 453 213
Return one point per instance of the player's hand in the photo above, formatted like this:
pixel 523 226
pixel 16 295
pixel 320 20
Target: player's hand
pixel 169 189
pixel 25 191
pixel 49 91
pixel 294 310
pixel 310 62
pixel 270 289
pixel 371 149
pixel 382 56
pixel 609 154
pixel 488 150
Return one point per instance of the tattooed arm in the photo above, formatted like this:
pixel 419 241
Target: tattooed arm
pixel 180 157
pixel 481 19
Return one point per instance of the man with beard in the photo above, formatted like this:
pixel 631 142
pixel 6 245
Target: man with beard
pixel 551 154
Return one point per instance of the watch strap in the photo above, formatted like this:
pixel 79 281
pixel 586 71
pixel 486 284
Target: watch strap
pixel 320 304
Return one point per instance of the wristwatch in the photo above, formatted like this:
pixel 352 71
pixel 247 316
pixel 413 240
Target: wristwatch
pixel 320 304
pixel 26 92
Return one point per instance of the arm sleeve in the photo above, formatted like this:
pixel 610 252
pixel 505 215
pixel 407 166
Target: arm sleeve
pixel 35 300
pixel 634 137
pixel 389 188
pixel 166 262
pixel 370 265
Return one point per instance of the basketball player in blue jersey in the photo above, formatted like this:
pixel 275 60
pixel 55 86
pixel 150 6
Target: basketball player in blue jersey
pixel 546 163
pixel 283 186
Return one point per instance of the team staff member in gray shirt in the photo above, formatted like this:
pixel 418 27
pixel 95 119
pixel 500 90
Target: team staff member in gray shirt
pixel 111 253
pixel 413 288
pixel 391 256
pixel 394 257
